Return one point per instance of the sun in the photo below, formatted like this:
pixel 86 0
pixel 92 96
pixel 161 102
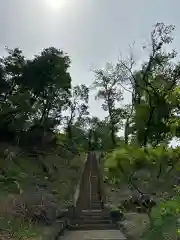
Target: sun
pixel 55 4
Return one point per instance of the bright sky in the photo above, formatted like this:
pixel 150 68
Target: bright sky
pixel 92 32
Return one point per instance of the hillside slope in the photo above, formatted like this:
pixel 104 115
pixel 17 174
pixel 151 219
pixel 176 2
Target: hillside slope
pixel 34 187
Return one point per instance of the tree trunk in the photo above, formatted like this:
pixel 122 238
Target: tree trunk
pixel 126 136
pixel 69 132
pixel 147 126
pixel 90 140
pixel 113 137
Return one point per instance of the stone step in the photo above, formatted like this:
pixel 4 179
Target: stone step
pixel 91 220
pixel 96 204
pixel 95 199
pixel 102 226
pixel 94 217
pixel 94 207
pixel 98 215
pixel 94 212
pixel 94 235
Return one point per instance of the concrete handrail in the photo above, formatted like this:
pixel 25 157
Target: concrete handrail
pixel 98 157
pixel 77 192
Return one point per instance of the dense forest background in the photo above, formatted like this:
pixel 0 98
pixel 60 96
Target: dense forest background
pixel 41 112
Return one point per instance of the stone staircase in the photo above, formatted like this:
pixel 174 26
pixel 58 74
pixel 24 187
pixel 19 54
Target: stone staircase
pixel 89 220
pixel 92 220
pixel 90 213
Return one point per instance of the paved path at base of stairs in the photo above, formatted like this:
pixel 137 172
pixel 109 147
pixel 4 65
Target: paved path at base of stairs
pixel 93 235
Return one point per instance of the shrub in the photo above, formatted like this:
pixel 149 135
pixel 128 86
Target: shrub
pixel 36 206
pixel 164 222
pixel 16 228
pixel 145 170
pixel 116 214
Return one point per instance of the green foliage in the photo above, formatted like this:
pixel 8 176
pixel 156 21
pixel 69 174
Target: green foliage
pixel 18 228
pixel 77 108
pixel 33 91
pixel 109 89
pixel 100 134
pixel 164 221
pixel 147 171
pixel 154 87
pixel 143 166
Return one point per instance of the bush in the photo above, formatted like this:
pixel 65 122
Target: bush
pixel 164 222
pixel 145 170
pixel 151 174
pixel 39 207
pixel 139 202
pixel 116 215
pixel 21 214
pixel 16 228
pixel 36 206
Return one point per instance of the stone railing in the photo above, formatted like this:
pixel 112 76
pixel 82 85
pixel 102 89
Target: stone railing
pixel 101 181
pixel 77 192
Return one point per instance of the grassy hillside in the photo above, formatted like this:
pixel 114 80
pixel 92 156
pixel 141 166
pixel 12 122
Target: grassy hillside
pixel 33 187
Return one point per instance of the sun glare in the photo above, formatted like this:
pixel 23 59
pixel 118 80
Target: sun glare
pixel 55 4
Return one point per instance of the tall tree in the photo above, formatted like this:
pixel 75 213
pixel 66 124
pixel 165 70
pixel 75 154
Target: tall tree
pixel 48 79
pixel 76 109
pixel 34 91
pixel 108 85
pixel 99 134
pixel 14 105
pixel 151 86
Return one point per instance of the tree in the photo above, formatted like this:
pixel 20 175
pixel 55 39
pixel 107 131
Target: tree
pixel 151 86
pixel 49 81
pixel 99 132
pixel 14 104
pixel 108 84
pixel 77 109
pixel 33 92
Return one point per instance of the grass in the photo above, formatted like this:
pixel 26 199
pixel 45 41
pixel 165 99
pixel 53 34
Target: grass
pixel 21 175
pixel 17 228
